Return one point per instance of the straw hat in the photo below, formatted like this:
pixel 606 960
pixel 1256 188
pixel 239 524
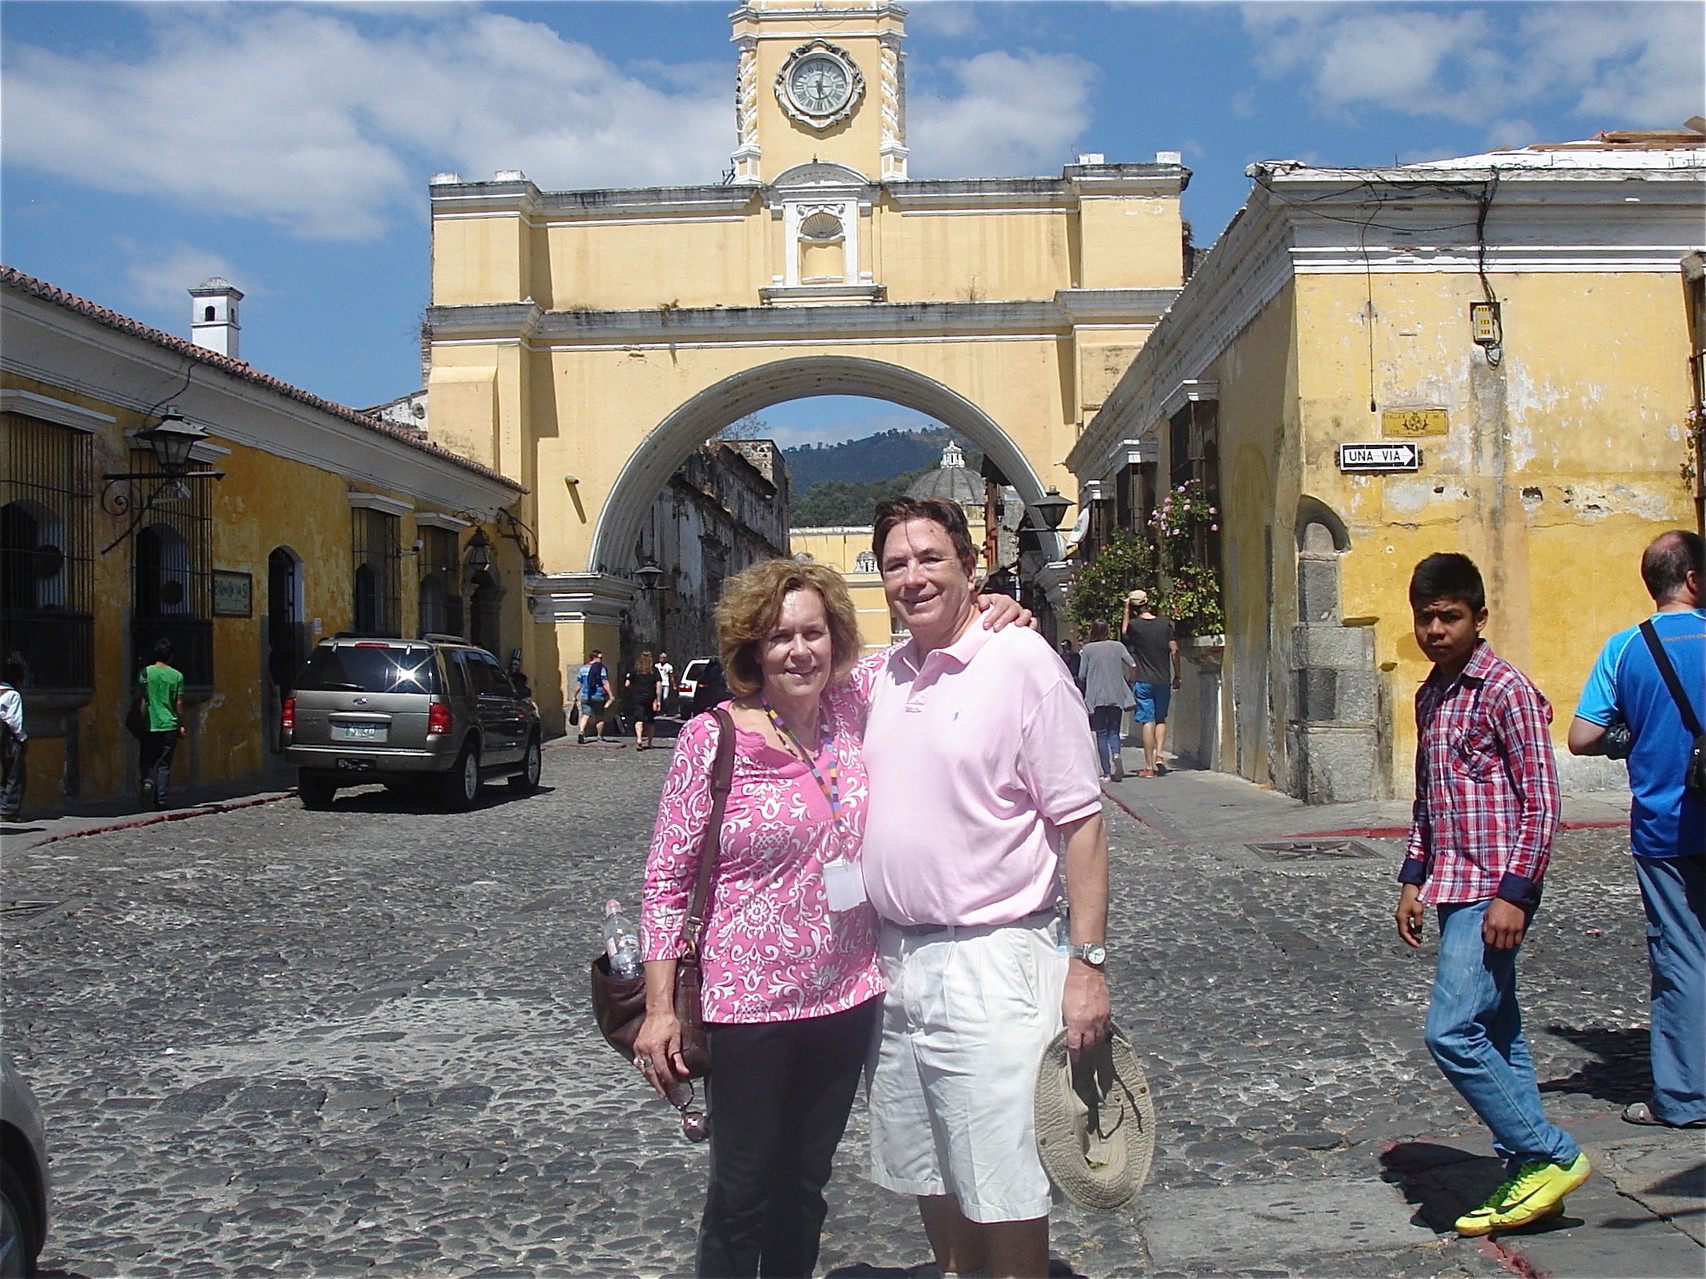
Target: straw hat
pixel 1138 597
pixel 1095 1121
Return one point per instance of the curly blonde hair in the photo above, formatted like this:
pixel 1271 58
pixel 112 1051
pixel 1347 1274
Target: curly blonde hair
pixel 751 603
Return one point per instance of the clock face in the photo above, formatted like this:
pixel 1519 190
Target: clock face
pixel 819 85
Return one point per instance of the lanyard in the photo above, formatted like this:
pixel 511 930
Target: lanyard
pixel 831 787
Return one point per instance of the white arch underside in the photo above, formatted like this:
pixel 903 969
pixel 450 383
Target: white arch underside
pixel 753 390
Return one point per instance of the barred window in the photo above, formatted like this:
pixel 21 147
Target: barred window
pixel 441 600
pixel 172 573
pixel 46 558
pixel 376 577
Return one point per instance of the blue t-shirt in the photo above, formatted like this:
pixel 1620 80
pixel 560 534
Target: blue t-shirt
pixel 592 681
pixel 1665 820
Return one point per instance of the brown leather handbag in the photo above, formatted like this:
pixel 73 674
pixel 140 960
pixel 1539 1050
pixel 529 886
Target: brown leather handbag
pixel 619 1003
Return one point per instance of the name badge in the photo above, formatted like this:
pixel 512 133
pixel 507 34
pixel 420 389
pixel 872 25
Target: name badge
pixel 844 883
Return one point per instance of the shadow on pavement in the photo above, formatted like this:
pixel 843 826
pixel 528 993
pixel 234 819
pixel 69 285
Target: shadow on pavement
pixel 1622 1073
pixel 1058 1268
pixel 419 800
pixel 1442 1181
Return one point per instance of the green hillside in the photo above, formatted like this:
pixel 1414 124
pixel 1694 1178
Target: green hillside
pixel 839 484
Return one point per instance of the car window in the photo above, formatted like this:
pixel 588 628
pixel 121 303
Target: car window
pixel 489 679
pixel 381 668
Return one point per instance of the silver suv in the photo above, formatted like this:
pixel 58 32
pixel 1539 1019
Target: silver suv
pixel 434 713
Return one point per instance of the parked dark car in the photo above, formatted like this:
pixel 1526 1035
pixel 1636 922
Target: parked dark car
pixel 23 1175
pixel 437 714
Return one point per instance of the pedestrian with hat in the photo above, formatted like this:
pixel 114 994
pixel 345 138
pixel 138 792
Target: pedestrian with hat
pixel 1155 652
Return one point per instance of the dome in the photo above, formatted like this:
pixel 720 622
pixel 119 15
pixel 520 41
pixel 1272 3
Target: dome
pixel 950 481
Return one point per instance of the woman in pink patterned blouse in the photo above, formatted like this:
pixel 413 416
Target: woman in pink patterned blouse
pixel 791 984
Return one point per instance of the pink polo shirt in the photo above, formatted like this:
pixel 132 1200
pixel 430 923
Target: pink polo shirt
pixel 976 758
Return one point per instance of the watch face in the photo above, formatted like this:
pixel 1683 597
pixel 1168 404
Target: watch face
pixel 819 84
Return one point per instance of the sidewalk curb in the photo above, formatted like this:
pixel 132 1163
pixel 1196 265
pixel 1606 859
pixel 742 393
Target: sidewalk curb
pixel 154 819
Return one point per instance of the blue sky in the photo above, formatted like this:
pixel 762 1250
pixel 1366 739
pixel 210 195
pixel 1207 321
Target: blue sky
pixel 288 146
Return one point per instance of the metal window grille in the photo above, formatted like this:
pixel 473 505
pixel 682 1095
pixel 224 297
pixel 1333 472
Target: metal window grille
pixel 376 576
pixel 172 572
pixel 47 516
pixel 440 598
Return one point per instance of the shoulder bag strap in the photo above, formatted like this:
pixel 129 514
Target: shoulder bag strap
pixel 722 775
pixel 1661 659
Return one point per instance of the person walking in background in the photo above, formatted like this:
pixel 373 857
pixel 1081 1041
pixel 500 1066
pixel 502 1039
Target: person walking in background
pixel 1484 816
pixel 1070 656
pixel 1155 653
pixel 14 743
pixel 1107 673
pixel 594 681
pixel 666 683
pixel 1667 820
pixel 160 697
pixel 641 689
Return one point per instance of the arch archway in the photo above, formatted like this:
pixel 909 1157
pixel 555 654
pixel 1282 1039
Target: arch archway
pixel 649 467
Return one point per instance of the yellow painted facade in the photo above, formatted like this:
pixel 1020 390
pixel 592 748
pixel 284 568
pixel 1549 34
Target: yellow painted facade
pixel 585 342
pixel 1561 456
pixel 296 472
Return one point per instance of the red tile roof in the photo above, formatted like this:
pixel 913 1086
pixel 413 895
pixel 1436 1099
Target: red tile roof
pixel 15 279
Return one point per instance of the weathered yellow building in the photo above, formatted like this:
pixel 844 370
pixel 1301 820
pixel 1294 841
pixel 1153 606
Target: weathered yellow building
pixel 325 520
pixel 585 342
pixel 1488 355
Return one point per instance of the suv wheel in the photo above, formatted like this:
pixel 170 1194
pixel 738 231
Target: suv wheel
pixel 315 790
pixel 527 780
pixel 460 787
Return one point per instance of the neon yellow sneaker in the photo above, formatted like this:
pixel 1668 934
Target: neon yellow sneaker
pixel 1534 1194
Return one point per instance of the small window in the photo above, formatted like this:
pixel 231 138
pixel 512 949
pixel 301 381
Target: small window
pixel 209 314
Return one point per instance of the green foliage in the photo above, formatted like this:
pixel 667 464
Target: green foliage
pixel 1099 588
pixel 831 503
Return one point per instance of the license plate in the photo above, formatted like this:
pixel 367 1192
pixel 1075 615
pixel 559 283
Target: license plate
pixel 359 732
pixel 357 765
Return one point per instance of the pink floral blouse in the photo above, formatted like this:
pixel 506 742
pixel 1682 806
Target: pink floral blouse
pixel 771 950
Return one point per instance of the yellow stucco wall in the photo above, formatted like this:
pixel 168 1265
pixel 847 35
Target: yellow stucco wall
pixel 265 501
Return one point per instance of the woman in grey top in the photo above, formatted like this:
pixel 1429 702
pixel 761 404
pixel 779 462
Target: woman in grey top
pixel 1105 668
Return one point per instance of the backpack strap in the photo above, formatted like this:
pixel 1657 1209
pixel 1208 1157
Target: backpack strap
pixel 1661 659
pixel 722 776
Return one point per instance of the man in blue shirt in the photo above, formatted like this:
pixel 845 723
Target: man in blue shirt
pixel 1667 822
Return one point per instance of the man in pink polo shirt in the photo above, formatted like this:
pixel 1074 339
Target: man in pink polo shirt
pixel 983 783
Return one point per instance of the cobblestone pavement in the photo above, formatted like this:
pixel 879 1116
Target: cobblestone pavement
pixel 277 1043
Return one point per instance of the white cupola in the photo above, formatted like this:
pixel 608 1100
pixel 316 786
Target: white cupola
pixel 213 315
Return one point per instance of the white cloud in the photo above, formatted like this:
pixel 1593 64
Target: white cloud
pixel 306 118
pixel 943 17
pixel 1014 114
pixel 160 276
pixel 1621 65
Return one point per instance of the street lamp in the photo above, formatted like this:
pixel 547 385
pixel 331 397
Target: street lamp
pixel 1051 507
pixel 649 574
pixel 171 440
pixel 477 559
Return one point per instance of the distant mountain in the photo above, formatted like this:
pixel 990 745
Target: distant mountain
pixel 838 484
pixel 876 457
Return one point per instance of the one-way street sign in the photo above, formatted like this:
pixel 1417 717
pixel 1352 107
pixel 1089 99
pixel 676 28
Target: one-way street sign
pixel 1379 457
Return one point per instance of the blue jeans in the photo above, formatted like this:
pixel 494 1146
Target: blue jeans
pixel 1105 724
pixel 1672 889
pixel 1474 1032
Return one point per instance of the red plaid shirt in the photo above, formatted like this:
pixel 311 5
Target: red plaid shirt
pixel 1486 786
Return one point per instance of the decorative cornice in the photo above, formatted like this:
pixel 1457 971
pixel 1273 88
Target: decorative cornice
pixel 47 409
pixel 361 501
pixel 598 599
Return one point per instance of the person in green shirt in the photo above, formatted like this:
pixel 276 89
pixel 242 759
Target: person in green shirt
pixel 160 697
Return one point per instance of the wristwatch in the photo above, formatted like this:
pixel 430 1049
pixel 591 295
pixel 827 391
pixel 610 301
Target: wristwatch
pixel 1094 953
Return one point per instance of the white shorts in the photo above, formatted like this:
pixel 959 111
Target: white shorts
pixel 953 1093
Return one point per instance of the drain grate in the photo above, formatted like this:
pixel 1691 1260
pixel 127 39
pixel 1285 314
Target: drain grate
pixel 1314 850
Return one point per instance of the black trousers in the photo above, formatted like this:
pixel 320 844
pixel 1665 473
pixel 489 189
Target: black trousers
pixel 780 1093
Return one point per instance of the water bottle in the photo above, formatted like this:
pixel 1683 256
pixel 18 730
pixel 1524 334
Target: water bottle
pixel 620 942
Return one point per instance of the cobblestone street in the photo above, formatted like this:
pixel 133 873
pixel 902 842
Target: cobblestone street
pixel 272 1042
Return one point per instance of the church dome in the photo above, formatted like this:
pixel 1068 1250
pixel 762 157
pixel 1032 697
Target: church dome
pixel 950 481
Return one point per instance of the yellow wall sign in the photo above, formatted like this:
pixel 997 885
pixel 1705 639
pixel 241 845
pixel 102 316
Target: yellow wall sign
pixel 1410 423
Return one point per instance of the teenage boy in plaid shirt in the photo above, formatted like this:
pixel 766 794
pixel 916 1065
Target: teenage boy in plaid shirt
pixel 1485 812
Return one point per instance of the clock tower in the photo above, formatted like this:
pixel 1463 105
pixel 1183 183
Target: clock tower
pixel 820 80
